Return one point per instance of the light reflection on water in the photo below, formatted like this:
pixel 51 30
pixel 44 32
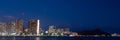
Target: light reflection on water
pixel 37 38
pixel 57 38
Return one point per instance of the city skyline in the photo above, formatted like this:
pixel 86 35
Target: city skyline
pixel 77 15
pixel 16 28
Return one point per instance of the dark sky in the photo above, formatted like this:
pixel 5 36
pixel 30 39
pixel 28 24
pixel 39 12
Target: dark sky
pixel 75 14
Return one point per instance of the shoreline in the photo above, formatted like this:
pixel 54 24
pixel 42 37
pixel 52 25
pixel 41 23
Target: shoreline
pixel 59 36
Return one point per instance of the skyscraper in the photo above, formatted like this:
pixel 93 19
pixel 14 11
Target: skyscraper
pixel 2 27
pixel 38 27
pixel 33 26
pixel 10 27
pixel 19 25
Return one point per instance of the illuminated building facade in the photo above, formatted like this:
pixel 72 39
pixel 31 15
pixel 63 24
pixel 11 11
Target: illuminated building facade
pixel 66 30
pixel 15 28
pixel 19 26
pixel 33 26
pixel 2 27
pixel 60 30
pixel 51 29
pixel 10 27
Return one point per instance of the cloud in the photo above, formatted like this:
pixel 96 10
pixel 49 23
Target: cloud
pixel 9 17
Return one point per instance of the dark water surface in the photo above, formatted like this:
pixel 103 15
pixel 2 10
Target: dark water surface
pixel 58 38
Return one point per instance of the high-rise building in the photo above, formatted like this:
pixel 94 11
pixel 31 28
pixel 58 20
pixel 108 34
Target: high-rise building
pixel 19 25
pixel 10 27
pixel 33 26
pixel 38 27
pixel 2 27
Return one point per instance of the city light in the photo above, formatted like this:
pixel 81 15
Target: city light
pixel 15 28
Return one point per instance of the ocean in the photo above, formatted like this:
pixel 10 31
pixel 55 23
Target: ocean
pixel 56 38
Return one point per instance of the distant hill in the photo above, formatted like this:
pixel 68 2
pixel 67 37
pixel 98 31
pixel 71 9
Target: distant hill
pixel 93 32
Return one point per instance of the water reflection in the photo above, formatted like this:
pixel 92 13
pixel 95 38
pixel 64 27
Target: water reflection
pixel 18 38
pixel 56 38
pixel 37 38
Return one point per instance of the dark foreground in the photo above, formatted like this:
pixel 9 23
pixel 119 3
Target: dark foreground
pixel 57 38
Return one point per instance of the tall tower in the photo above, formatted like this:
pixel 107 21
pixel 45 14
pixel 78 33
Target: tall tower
pixel 19 26
pixel 34 27
pixel 38 26
pixel 32 24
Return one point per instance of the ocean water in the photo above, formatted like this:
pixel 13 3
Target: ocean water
pixel 57 38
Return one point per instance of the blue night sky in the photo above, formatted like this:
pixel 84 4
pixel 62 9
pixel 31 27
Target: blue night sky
pixel 75 14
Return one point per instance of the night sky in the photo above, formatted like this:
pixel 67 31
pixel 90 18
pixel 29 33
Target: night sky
pixel 75 14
